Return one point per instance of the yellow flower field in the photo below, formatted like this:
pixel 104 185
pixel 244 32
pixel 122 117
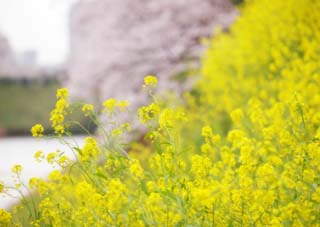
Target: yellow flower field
pixel 244 150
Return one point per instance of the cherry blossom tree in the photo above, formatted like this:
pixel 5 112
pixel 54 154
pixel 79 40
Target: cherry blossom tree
pixel 115 43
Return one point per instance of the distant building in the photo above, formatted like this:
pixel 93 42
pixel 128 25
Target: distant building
pixel 24 66
pixel 7 58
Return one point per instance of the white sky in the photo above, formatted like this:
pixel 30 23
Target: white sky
pixel 41 25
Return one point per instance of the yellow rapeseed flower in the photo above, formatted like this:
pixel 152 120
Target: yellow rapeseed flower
pixel 37 130
pixel 110 105
pixel 2 187
pixel 87 109
pixel 236 115
pixel 206 131
pixel 123 105
pixel 259 90
pixel 150 81
pixel 148 113
pixel 62 93
pixel 5 218
pixel 17 169
pixel 39 155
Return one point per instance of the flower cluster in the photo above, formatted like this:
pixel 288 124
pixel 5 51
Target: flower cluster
pixel 5 218
pixel 37 130
pixel 260 85
pixel 61 109
pixel 112 105
pixel 87 109
pixel 150 81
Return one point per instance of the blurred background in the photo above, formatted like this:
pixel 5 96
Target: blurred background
pixel 93 47
pixel 33 52
pixel 98 49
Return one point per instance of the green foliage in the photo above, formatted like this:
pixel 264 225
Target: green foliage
pixel 22 105
pixel 237 2
pixel 27 103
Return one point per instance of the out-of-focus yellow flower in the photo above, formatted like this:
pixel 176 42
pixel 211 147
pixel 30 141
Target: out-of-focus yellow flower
pixel 55 175
pixel 39 156
pixel 87 109
pixel 110 105
pixel 37 130
pixel 136 169
pixel 236 115
pixel 59 129
pixel 150 81
pixel 2 187
pixel 51 157
pixel 33 182
pixel 17 169
pixel 123 105
pixel 62 93
pixel 5 218
pixel 57 115
pixel 206 131
pixel 148 113
pixel 90 150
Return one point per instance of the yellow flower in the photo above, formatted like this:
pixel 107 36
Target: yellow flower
pixel 51 157
pixel 206 131
pixel 58 114
pixel 110 105
pixel 167 118
pixel 37 130
pixel 39 156
pixel 63 160
pixel 151 186
pixel 5 218
pixel 56 117
pixel 55 175
pixel 62 93
pixel 148 113
pixel 236 115
pixel 116 132
pixel 150 81
pixel 90 150
pixel 33 182
pixel 16 169
pixel 2 187
pixel 61 105
pixel 123 105
pixel 136 169
pixel 59 129
pixel 87 109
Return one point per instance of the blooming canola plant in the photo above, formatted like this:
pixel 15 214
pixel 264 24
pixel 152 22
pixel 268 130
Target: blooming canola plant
pixel 244 150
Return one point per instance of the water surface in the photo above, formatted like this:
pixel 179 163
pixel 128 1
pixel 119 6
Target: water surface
pixel 20 150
